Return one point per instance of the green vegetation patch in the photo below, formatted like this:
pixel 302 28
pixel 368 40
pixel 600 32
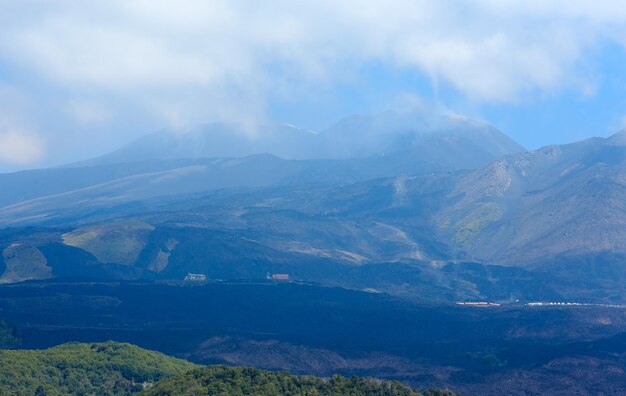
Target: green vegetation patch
pixel 112 368
pixel 471 225
pixel 240 381
pixel 24 262
pixel 108 368
pixel 117 242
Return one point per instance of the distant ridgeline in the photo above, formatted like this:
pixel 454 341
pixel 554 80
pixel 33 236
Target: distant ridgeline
pixel 112 368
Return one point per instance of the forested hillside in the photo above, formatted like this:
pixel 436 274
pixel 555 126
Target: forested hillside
pixel 236 381
pixel 112 368
pixel 84 369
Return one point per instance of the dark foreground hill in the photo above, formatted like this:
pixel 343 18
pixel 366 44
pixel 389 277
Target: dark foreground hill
pixel 112 368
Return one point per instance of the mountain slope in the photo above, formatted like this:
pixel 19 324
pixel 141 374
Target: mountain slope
pixel 356 149
pixel 26 185
pixel 553 201
pixel 157 179
pixel 559 212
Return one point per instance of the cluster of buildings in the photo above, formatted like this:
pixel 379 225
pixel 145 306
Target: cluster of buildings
pixel 569 304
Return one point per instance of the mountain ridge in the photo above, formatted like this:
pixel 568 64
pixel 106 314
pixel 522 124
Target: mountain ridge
pixel 391 131
pixel 575 188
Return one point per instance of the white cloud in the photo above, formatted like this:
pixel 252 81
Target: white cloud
pixel 488 50
pixel 188 61
pixel 20 148
pixel 86 112
pixel 19 143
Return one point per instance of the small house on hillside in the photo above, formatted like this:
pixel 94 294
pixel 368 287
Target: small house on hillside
pixel 283 277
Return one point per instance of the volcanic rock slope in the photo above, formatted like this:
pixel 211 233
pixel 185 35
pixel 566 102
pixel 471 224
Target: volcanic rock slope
pixel 558 200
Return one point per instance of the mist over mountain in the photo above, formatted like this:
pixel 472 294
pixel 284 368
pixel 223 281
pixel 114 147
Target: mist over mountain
pixel 449 141
pixel 216 140
pixel 358 148
pixel 418 132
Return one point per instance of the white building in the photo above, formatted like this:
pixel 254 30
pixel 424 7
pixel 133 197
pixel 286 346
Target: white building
pixel 195 277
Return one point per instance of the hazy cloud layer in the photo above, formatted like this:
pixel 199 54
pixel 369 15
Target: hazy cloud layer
pixel 19 147
pixel 182 62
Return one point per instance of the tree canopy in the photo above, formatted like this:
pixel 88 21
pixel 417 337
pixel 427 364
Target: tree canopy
pixel 241 381
pixel 108 368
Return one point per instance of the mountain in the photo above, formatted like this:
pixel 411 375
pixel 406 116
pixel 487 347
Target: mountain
pixel 215 140
pixel 445 142
pixel 375 251
pixel 63 191
pixel 223 155
pixel 558 200
pixel 455 141
pixel 27 185
pixel 219 173
pixel 535 225
pixel 545 223
pixel 102 187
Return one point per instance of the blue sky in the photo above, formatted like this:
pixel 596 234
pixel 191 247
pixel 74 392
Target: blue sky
pixel 78 79
pixel 535 119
